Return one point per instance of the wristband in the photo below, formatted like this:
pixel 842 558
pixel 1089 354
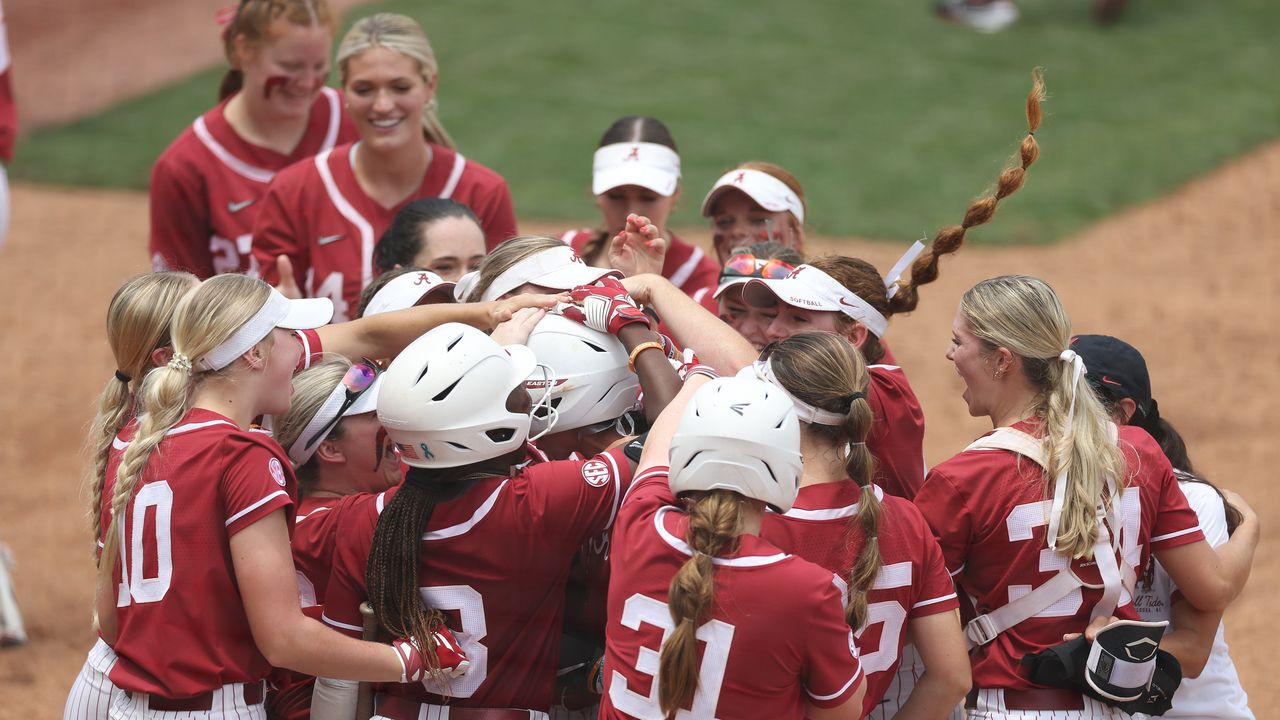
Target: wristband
pixel 635 352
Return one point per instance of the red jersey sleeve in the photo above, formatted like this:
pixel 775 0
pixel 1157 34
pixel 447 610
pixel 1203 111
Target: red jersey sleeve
pixel 832 670
pixel 275 233
pixel 586 492
pixel 254 483
pixel 346 588
pixel 936 593
pixel 948 514
pixel 179 219
pixel 1176 523
pixel 497 215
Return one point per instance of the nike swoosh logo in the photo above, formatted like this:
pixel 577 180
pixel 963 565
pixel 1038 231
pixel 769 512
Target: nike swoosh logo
pixel 235 207
pixel 326 239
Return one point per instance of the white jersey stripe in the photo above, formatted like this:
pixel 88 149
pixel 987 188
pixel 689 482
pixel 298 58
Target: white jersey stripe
pixel 349 212
pixel 344 626
pixel 683 547
pixel 1172 535
pixel 224 155
pixel 685 271
pixel 459 164
pixel 924 603
pixel 617 490
pixel 839 692
pixel 464 527
pixel 254 506
pixel 335 117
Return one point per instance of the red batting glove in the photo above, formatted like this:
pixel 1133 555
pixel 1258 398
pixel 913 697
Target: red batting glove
pixel 449 656
pixel 605 307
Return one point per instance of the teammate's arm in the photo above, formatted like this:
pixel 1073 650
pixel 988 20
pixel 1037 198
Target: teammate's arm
pixel 657 447
pixel 263 564
pixel 1210 579
pixel 947 676
pixel 850 709
pixel 692 325
pixel 386 334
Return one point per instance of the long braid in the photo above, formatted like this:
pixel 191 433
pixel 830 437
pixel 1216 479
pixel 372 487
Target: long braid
pixel 715 521
pixel 949 239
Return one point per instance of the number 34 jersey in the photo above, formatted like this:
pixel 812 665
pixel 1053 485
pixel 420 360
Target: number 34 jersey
pixel 182 628
pixel 495 560
pixel 776 638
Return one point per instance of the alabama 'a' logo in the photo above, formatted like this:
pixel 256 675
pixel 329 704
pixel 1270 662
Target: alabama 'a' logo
pixel 634 155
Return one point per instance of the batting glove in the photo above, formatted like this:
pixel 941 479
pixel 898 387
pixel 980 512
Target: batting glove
pixel 450 658
pixel 605 307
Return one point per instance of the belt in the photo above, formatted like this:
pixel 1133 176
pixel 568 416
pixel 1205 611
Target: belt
pixel 1034 699
pixel 252 693
pixel 400 708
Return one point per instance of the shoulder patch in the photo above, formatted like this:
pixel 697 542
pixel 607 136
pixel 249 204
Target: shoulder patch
pixel 276 470
pixel 596 473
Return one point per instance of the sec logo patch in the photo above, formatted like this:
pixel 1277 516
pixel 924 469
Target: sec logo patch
pixel 596 473
pixel 276 470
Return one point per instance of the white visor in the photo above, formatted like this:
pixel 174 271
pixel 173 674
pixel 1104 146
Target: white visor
pixel 809 288
pixel 277 312
pixel 649 165
pixel 763 370
pixel 766 190
pixel 408 290
pixel 299 452
pixel 728 283
pixel 557 268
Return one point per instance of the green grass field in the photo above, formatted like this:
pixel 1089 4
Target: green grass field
pixel 891 119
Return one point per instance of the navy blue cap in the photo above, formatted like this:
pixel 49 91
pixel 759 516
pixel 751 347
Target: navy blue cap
pixel 1117 370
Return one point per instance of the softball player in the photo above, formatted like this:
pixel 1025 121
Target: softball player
pixel 1036 568
pixel 327 214
pixel 761 260
pixel 636 170
pixel 705 617
pixel 755 202
pixel 207 187
pixel 528 264
pixel 459 533
pixel 898 587
pixel 1210 686
pixel 191 473
pixel 8 125
pixel 437 234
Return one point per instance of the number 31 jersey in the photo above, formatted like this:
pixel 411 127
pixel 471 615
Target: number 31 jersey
pixel 776 638
pixel 182 628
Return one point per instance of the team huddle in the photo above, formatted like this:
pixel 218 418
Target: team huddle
pixel 369 452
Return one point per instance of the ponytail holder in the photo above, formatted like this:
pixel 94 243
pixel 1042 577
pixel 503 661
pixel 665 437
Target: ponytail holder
pixel 1076 362
pixel 180 362
pixel 849 399
pixel 225 14
pixel 895 272
pixel 123 378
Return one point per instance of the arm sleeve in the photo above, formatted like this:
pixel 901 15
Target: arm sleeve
pixel 832 670
pixel 497 215
pixel 274 234
pixel 948 515
pixel 180 225
pixel 255 483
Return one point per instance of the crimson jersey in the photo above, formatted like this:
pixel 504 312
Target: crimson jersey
pixel 896 439
pixel 776 638
pixel 207 187
pixel 686 266
pixel 8 110
pixel 989 512
pixel 207 481
pixel 317 214
pixel 913 581
pixel 495 559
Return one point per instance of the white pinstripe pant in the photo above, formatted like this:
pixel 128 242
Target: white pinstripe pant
pixel 228 704
pixel 990 706
pixel 91 693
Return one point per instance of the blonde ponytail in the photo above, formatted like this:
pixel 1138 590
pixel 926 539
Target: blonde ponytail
pixel 138 319
pixel 1023 314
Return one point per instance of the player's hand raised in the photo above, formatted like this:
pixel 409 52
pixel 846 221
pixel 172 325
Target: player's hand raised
pixel 288 285
pixel 638 248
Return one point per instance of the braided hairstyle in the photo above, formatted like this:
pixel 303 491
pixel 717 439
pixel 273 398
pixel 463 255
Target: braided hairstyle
pixel 138 319
pixel 825 370
pixel 715 522
pixel 252 21
pixel 862 278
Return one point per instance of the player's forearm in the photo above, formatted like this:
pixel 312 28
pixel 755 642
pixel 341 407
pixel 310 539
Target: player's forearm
pixel 1237 555
pixel 305 645
pixel 692 325
pixel 934 696
pixel 386 334
pixel 658 379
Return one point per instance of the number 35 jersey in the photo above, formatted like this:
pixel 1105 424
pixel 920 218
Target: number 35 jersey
pixel 495 560
pixel 182 628
pixel 776 638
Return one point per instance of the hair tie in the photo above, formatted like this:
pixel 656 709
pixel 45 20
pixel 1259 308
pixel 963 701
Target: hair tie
pixel 123 378
pixel 849 399
pixel 180 362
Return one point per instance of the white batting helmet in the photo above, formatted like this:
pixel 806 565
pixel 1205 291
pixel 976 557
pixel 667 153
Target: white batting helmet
pixel 739 434
pixel 591 383
pixel 443 401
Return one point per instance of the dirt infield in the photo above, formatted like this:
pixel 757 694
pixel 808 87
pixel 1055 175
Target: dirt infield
pixel 1190 280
